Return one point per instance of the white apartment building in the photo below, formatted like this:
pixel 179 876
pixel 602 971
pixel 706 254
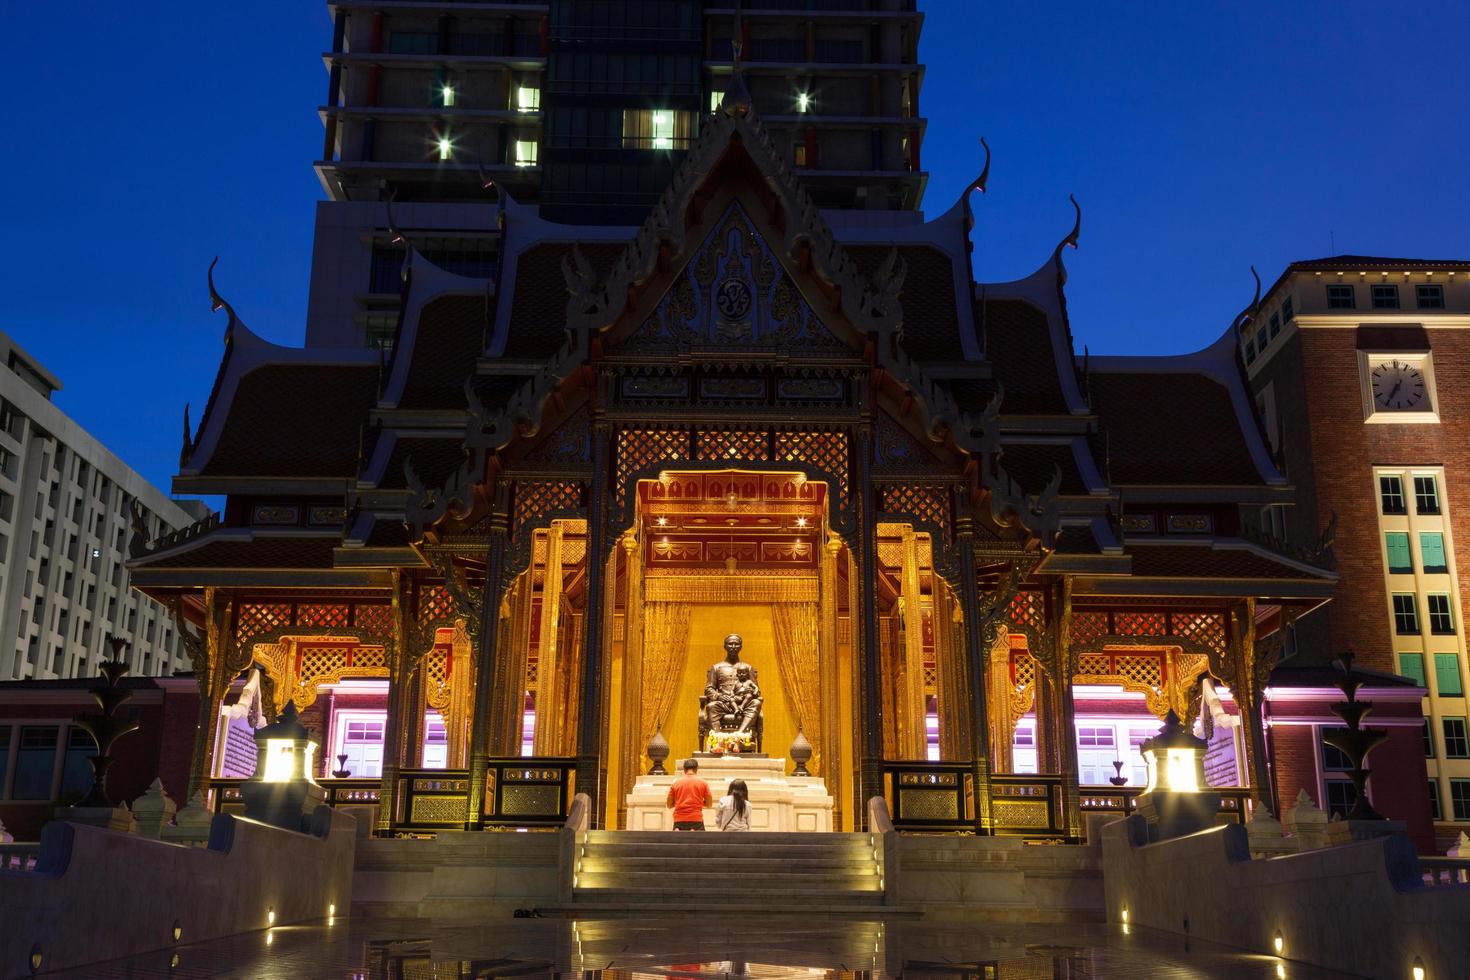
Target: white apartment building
pixel 64 531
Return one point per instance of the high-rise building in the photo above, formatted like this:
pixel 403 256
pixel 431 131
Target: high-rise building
pixel 586 107
pixel 66 518
pixel 1358 367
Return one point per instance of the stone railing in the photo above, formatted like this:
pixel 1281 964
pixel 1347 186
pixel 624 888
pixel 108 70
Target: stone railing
pixel 1444 871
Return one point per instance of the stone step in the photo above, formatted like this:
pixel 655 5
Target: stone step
pixel 764 837
pixel 717 847
pixel 654 881
pixel 597 861
pixel 701 900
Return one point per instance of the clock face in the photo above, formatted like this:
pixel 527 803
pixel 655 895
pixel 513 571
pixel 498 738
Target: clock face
pixel 1398 386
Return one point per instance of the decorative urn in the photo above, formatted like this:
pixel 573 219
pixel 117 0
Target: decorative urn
pixel 658 751
pixel 801 753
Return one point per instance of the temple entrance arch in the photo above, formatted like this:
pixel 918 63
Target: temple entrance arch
pixel 712 550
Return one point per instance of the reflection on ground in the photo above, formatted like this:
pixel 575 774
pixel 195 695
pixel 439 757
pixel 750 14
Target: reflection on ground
pixel 728 948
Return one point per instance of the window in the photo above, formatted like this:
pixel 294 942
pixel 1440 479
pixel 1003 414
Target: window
pixel 1441 620
pixel 411 42
pixel 1275 325
pixel 1456 741
pixel 1411 665
pixel 76 769
pixel 362 742
pixel 1399 560
pixel 1434 811
pixel 1261 340
pixel 1023 748
pixel 526 153
pixel 1287 312
pixel 1426 495
pixel 658 129
pixel 1332 758
pixel 715 98
pixel 1340 797
pixel 1428 738
pixel 1429 296
pixel 1459 799
pixel 1431 552
pixel 1391 494
pixel 1405 616
pixel 1340 297
pixel 1095 754
pixel 436 742
pixel 528 98
pixel 1250 345
pixel 1447 674
pixel 446 95
pixel 1091 738
pixel 35 761
pixel 1385 296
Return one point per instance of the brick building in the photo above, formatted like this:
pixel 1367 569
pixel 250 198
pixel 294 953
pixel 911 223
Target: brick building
pixel 1359 367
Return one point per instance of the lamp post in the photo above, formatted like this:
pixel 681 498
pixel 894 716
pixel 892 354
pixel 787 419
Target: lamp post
pixel 1176 800
pixel 284 788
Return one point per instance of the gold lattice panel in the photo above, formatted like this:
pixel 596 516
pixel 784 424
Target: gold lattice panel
pixel 1094 664
pixel 1089 627
pixel 929 804
pixel 537 498
pixel 1029 609
pixel 373 620
pixel 438 809
pixel 1146 669
pixel 925 502
pixel 436 605
pixel 529 801
pixel 1206 630
pixel 1023 669
pixel 825 450
pixel 890 554
pixel 1140 624
pixel 639 449
pixel 731 444
pixel 259 618
pixel 334 615
pixel 1027 814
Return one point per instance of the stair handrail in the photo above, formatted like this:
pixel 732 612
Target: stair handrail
pixel 880 821
pixel 885 841
pixel 579 814
pixel 569 854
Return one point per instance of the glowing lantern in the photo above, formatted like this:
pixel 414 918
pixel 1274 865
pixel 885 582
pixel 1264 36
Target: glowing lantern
pixel 284 787
pixel 1176 800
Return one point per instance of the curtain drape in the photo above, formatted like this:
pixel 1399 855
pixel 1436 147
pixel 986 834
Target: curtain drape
pixel 665 649
pixel 798 656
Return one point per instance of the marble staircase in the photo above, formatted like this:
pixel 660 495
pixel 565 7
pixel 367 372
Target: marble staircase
pixel 774 872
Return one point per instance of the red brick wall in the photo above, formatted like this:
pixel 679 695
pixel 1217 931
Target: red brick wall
pixel 1344 451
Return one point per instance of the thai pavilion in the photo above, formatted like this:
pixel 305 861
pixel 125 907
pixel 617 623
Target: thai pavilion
pixel 490 566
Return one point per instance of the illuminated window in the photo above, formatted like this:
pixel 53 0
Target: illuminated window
pixel 446 95
pixel 800 155
pixel 446 148
pixel 361 740
pixel 1340 297
pixel 1385 296
pixel 526 151
pixel 715 98
pixel 1023 747
pixel 803 102
pixel 528 98
pixel 1429 296
pixel 436 742
pixel 657 129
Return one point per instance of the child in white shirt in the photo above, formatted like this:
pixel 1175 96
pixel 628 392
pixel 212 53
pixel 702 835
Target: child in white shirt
pixel 733 810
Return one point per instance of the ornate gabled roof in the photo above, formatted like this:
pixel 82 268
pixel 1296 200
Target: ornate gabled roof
pixel 1184 421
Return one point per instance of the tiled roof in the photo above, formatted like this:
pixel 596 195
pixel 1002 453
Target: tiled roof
pixel 1033 465
pixel 538 316
pixel 930 324
pixel 1203 561
pixel 261 552
pixel 295 420
pixel 451 335
pixel 433 461
pixel 1171 430
pixel 1347 262
pixel 1018 343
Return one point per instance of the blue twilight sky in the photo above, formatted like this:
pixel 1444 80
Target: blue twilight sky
pixel 1200 138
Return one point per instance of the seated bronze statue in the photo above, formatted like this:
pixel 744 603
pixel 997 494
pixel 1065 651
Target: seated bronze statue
pixel 732 697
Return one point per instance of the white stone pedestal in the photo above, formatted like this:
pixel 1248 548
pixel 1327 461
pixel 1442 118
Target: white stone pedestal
pixel 778 802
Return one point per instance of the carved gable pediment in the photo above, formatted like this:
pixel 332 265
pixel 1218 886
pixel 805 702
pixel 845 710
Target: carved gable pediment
pixel 733 294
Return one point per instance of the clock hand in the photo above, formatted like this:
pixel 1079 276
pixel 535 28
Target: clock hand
pixel 1395 390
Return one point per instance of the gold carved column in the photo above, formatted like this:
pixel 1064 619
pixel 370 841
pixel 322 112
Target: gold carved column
pixel 401 663
pixel 216 662
pixel 1063 709
pixel 909 696
pixel 829 765
pixel 954 717
pixel 1249 668
pixel 550 692
pixel 633 737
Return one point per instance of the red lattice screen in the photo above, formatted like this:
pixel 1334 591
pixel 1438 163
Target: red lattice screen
pixel 925 502
pixel 639 449
pixel 731 445
pixel 537 498
pixel 825 450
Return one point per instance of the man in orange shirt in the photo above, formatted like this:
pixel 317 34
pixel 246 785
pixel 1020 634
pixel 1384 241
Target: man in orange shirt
pixel 689 797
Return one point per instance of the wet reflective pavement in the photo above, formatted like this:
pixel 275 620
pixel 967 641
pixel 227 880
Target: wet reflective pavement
pixel 697 948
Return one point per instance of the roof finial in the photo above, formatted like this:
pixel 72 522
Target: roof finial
pixel 737 38
pixel 218 302
pixel 978 184
pixel 1076 232
pixel 188 439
